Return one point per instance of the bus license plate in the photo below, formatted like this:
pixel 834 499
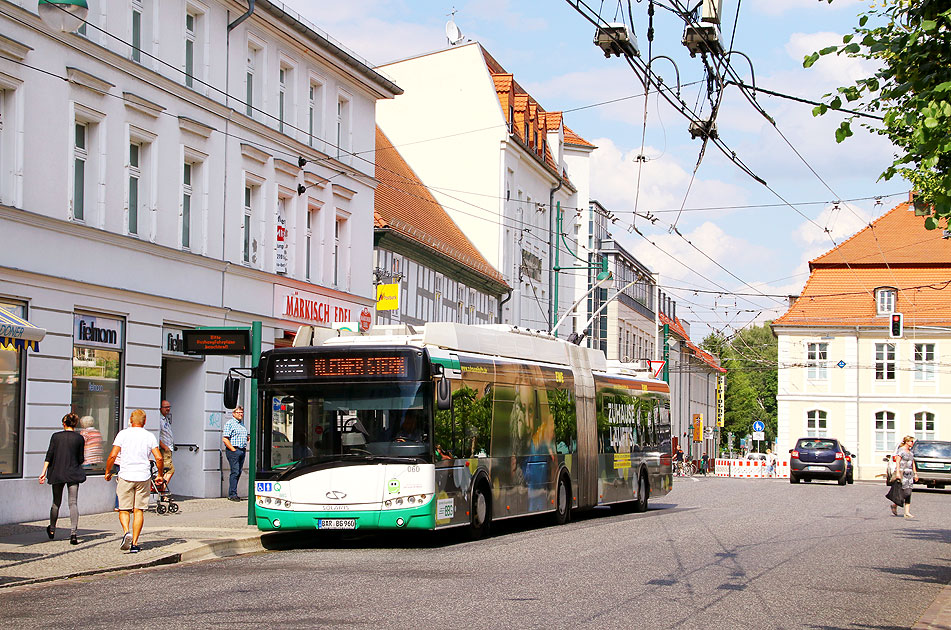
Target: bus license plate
pixel 336 523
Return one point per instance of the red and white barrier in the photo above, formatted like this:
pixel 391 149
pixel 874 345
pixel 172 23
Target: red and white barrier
pixel 750 469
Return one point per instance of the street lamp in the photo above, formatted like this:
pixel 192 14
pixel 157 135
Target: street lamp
pixel 603 278
pixel 65 15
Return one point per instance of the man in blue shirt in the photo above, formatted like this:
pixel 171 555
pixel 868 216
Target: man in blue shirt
pixel 235 437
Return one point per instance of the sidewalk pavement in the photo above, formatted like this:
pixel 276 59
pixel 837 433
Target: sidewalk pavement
pixel 203 528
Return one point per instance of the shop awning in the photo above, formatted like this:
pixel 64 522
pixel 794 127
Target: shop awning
pixel 17 333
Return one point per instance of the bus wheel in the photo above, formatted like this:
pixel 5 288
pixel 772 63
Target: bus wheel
pixel 480 515
pixel 641 504
pixel 562 501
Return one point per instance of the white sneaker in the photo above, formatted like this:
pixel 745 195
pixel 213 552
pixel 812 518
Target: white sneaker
pixel 126 541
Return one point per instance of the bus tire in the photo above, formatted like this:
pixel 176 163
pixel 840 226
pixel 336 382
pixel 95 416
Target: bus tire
pixel 480 513
pixel 643 492
pixel 563 500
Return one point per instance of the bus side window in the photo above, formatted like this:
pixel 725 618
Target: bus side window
pixel 472 409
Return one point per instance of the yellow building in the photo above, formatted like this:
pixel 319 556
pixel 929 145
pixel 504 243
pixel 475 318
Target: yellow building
pixel 846 369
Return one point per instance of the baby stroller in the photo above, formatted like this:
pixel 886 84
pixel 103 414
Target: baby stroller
pixel 159 494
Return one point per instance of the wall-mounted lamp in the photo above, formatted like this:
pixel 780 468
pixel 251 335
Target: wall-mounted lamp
pixel 65 15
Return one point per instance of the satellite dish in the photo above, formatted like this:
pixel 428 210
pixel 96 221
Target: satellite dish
pixel 453 34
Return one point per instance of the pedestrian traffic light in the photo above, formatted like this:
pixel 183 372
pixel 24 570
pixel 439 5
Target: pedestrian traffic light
pixel 895 329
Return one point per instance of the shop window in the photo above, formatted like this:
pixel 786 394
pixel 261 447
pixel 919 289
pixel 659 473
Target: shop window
pixel 98 343
pixel 11 401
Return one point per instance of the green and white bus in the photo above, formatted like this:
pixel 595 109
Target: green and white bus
pixel 452 426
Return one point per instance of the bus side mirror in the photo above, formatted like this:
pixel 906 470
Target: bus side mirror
pixel 231 392
pixel 443 394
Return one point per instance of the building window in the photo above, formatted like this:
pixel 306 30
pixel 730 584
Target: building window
pixel 252 89
pixel 190 20
pixel 315 98
pixel 281 97
pixel 885 300
pixel 135 174
pixel 309 242
pixel 12 363
pixel 137 30
pixel 816 423
pixel 246 223
pixel 186 204
pixel 336 265
pixel 97 374
pixel 343 127
pixel 817 355
pixel 884 431
pixel 884 362
pixel 924 362
pixel 924 425
pixel 80 157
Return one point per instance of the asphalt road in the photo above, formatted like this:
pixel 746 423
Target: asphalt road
pixel 715 553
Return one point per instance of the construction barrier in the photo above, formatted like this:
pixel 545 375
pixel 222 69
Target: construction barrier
pixel 749 469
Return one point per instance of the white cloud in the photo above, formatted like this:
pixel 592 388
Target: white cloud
pixel 663 182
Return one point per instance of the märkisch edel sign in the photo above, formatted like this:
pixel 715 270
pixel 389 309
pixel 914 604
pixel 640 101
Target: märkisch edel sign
pixel 314 309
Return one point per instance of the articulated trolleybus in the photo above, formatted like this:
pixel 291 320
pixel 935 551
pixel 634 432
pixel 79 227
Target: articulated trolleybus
pixel 453 426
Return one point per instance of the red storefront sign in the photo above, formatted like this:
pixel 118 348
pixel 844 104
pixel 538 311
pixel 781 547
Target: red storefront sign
pixel 313 308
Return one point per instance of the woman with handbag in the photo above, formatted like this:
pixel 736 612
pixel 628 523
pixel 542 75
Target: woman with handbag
pixel 903 477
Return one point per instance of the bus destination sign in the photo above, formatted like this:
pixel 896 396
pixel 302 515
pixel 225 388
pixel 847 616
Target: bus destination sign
pixel 392 366
pixel 216 341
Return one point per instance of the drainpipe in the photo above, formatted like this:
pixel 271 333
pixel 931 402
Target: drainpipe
pixel 242 18
pixel 553 243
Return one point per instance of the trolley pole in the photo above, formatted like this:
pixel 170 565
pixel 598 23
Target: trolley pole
pixel 253 424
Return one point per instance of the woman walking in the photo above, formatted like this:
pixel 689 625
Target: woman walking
pixel 904 477
pixel 64 467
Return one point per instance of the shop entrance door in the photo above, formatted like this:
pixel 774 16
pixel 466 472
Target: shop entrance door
pixel 183 385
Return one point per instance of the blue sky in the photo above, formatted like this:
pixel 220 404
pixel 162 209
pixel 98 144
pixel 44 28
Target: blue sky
pixel 548 46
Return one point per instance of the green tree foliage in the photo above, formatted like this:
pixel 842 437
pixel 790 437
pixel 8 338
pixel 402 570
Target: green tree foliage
pixel 910 43
pixel 750 359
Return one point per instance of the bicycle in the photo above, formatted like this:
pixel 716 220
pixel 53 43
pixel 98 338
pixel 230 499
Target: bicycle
pixel 685 469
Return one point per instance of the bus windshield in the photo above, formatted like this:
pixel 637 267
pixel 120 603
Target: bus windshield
pixel 378 421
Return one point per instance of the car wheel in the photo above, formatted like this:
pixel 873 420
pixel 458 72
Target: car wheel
pixel 843 480
pixel 851 479
pixel 793 478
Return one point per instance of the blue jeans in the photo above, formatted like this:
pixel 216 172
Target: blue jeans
pixel 236 460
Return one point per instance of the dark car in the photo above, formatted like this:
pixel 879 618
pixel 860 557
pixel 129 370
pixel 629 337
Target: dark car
pixel 818 458
pixel 933 461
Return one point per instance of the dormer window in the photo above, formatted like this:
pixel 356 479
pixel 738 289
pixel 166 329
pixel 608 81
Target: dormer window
pixel 885 299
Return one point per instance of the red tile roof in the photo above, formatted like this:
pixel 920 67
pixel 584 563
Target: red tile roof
pixel 677 328
pixel 894 251
pixel 573 138
pixel 908 242
pixel 405 205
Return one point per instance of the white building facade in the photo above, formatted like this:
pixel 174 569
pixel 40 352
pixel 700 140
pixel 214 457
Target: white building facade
pixel 843 373
pixel 494 164
pixel 175 164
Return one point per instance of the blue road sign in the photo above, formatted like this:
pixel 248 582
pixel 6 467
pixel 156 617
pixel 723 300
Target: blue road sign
pixel 759 426
pixel 841 364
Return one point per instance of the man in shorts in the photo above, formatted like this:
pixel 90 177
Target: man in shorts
pixel 132 487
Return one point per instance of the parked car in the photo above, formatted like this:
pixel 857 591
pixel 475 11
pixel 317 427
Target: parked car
pixel 933 461
pixel 849 477
pixel 756 457
pixel 818 458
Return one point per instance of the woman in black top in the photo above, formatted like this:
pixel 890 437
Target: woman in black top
pixel 64 463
